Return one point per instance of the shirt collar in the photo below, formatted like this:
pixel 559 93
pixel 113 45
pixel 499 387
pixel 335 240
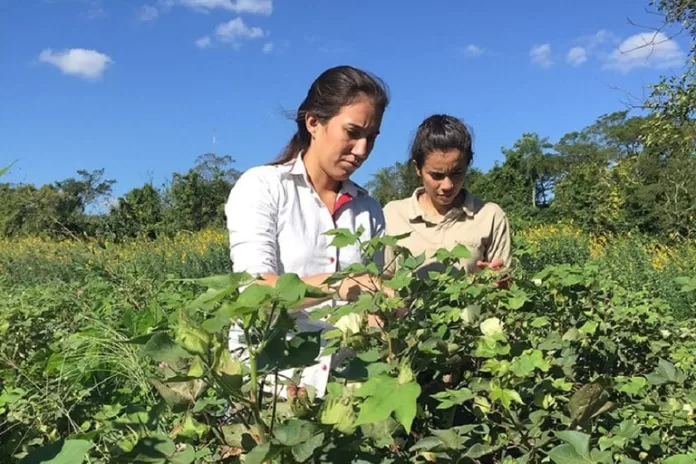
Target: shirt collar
pixel 297 168
pixel 416 212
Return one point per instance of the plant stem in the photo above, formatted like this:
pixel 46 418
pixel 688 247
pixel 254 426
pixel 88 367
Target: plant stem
pixel 275 401
pixel 255 393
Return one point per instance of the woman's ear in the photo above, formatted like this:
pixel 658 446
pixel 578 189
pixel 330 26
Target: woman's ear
pixel 311 123
pixel 415 166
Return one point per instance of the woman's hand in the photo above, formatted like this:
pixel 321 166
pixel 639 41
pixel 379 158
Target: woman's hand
pixel 352 286
pixel 496 264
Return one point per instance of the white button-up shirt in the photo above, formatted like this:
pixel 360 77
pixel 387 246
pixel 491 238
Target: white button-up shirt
pixel 277 224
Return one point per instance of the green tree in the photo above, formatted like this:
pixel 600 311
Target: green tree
pixel 196 199
pixel 138 213
pixel 394 182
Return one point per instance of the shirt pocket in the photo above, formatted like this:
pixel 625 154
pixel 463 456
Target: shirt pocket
pixel 477 250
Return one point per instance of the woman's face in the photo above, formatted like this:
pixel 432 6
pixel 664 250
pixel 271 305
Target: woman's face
pixel 443 176
pixel 345 141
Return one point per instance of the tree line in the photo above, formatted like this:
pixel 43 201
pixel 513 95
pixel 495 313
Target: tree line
pixel 190 201
pixel 613 176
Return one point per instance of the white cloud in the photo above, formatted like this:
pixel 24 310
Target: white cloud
pixel 268 48
pixel 577 56
pixel 647 50
pixel 235 31
pixel 203 42
pixel 541 55
pixel 472 50
pixel 87 64
pixel 166 5
pixel 148 13
pixel 237 6
pixel 599 38
pixel 95 11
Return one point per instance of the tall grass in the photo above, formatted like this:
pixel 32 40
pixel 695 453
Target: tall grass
pixel 635 261
pixel 36 260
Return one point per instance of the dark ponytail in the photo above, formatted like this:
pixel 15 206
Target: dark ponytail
pixel 333 89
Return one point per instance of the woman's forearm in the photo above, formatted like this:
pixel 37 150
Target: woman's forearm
pixel 349 289
pixel 316 280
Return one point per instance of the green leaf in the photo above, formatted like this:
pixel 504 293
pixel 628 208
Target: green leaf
pixel 688 283
pixel 209 299
pixel 370 356
pixel 479 450
pixel 304 451
pixel 528 362
pixel 401 279
pixel 180 393
pixel 540 322
pixel 186 456
pixel 427 443
pixel 570 280
pixel 450 398
pixel 191 337
pixel 553 342
pixel 258 454
pixel 670 372
pixel 300 351
pixel 156 448
pixel 162 348
pixel 294 431
pixel 384 396
pixel 290 288
pixel 61 452
pixel 566 454
pixel 381 432
pixel 588 328
pixel 628 429
pixel 517 301
pixel 504 396
pixel 666 372
pixel 214 325
pixel 488 347
pixel 450 438
pixel 635 385
pixel 460 251
pixel 580 441
pixel 254 296
pixel 681 459
pixel 342 237
pixel 223 281
pixel 4 170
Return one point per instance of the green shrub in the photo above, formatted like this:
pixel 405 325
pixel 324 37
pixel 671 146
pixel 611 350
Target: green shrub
pixel 564 366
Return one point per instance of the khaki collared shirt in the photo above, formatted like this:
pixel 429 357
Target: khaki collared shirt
pixel 482 227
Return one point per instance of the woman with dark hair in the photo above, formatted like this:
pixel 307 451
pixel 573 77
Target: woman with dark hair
pixel 278 214
pixel 442 213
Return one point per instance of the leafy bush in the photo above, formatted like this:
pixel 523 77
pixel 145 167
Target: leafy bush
pixel 562 366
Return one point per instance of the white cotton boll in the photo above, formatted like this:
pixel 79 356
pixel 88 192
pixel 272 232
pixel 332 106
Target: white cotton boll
pixel 492 327
pixel 349 324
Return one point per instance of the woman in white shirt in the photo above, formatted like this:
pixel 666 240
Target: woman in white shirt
pixel 277 214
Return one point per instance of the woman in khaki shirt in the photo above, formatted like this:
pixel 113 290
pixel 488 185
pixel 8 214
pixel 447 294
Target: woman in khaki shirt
pixel 442 213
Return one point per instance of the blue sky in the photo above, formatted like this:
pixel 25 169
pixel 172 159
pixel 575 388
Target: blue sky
pixel 137 88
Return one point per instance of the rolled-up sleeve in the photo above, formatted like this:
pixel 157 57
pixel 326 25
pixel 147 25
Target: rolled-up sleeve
pixel 500 240
pixel 378 230
pixel 252 220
